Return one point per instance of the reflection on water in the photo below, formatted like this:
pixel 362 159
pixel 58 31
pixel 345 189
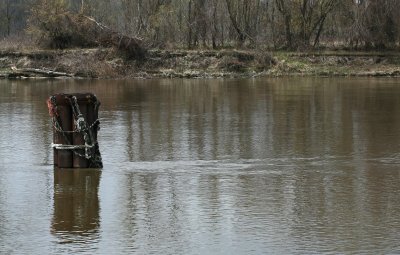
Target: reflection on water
pixel 259 166
pixel 76 204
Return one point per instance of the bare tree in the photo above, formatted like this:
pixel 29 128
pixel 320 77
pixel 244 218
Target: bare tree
pixel 283 7
pixel 220 23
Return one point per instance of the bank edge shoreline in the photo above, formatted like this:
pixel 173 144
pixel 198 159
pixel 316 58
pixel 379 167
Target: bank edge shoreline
pixel 106 63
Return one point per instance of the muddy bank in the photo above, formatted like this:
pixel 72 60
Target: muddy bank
pixel 107 63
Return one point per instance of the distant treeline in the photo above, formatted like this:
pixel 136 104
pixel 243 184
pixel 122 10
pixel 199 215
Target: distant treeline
pixel 273 24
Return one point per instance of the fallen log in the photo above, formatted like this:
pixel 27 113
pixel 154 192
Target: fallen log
pixel 68 30
pixel 106 37
pixel 34 73
pixel 46 73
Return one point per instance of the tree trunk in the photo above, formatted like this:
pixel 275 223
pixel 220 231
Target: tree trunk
pixel 190 32
pixel 283 9
pixel 215 27
pixel 241 35
pixel 288 21
pixel 320 28
pixel 8 17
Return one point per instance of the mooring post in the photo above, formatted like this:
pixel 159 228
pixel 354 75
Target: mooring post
pixel 75 125
pixel 65 124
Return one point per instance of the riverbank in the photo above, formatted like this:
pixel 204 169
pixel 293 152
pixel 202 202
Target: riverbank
pixel 107 63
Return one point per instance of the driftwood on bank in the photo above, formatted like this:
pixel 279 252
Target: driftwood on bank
pixel 34 73
pixel 46 73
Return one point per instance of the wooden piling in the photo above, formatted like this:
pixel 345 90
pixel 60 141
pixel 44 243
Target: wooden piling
pixel 75 121
pixel 55 151
pixel 65 157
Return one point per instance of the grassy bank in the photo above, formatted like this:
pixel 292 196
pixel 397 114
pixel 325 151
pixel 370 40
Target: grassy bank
pixel 338 63
pixel 107 63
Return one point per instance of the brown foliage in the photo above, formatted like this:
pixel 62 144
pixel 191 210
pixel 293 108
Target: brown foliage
pixel 62 29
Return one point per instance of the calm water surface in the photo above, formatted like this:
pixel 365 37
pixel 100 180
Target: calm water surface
pixel 264 166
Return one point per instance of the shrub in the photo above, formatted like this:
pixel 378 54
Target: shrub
pixel 54 26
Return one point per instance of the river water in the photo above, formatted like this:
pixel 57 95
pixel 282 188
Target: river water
pixel 258 166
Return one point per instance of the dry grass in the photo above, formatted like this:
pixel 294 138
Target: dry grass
pixel 110 63
pixel 18 43
pixel 92 63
